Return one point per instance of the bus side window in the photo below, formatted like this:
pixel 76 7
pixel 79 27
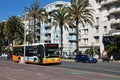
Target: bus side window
pixel 15 52
pixel 30 53
pixel 38 53
pixel 27 53
pixel 40 50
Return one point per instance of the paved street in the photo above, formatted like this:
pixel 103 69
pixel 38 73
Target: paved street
pixel 16 71
pixel 112 68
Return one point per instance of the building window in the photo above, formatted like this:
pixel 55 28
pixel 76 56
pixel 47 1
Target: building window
pixel 46 27
pixel 105 28
pixel 97 29
pixel 86 31
pixel 56 36
pixel 79 40
pixel 97 39
pixel 97 19
pixel 86 40
pixel 79 31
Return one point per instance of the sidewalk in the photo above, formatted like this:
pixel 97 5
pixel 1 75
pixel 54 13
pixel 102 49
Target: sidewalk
pixel 67 60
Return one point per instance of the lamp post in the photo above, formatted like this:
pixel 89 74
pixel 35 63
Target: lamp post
pixel 25 22
pixel 93 51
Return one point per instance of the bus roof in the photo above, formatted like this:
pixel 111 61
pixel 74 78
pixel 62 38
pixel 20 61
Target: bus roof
pixel 38 43
pixel 33 44
pixel 42 43
pixel 17 45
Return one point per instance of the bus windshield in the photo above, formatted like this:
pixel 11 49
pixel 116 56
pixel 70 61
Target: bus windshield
pixel 52 53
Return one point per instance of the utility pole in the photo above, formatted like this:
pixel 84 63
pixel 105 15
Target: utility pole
pixel 25 22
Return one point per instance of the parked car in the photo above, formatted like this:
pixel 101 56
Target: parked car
pixel 85 59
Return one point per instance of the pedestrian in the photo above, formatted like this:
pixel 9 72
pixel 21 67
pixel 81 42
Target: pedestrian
pixel 111 58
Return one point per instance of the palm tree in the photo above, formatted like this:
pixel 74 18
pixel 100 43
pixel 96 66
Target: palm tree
pixel 91 52
pixel 36 13
pixel 42 18
pixel 4 35
pixel 60 18
pixel 81 14
pixel 29 37
pixel 15 28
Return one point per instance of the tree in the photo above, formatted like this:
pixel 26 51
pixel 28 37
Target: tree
pixel 91 52
pixel 113 48
pixel 36 13
pixel 60 18
pixel 15 28
pixel 81 14
pixel 4 35
pixel 29 37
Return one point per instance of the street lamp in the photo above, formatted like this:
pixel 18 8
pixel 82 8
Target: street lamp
pixel 93 51
pixel 25 22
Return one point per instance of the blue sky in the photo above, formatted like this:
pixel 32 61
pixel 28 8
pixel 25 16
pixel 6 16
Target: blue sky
pixel 15 7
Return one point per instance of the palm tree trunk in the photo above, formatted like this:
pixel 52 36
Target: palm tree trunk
pixel 40 30
pixel 61 48
pixel 34 41
pixel 77 40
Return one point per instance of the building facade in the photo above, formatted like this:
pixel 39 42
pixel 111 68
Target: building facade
pixel 107 23
pixel 109 17
pixel 53 35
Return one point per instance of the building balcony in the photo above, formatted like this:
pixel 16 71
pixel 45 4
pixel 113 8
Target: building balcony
pixel 37 34
pixel 72 33
pixel 47 32
pixel 97 34
pixel 47 38
pixel 47 41
pixel 38 38
pixel 96 24
pixel 107 2
pixel 72 39
pixel 114 21
pixel 114 31
pixel 114 10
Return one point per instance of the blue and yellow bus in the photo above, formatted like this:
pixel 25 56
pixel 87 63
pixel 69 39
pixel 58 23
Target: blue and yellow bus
pixel 39 53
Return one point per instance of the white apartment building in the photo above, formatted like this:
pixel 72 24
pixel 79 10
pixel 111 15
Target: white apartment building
pixel 29 27
pixel 107 23
pixel 53 36
pixel 108 19
pixel 88 37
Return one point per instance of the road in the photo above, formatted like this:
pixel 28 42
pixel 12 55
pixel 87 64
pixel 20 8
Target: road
pixel 15 71
pixel 112 68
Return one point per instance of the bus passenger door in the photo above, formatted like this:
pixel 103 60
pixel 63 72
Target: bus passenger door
pixel 40 53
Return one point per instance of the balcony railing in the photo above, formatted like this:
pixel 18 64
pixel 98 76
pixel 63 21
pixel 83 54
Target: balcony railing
pixel 72 39
pixel 105 2
pixel 114 10
pixel 114 31
pixel 47 38
pixel 114 21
